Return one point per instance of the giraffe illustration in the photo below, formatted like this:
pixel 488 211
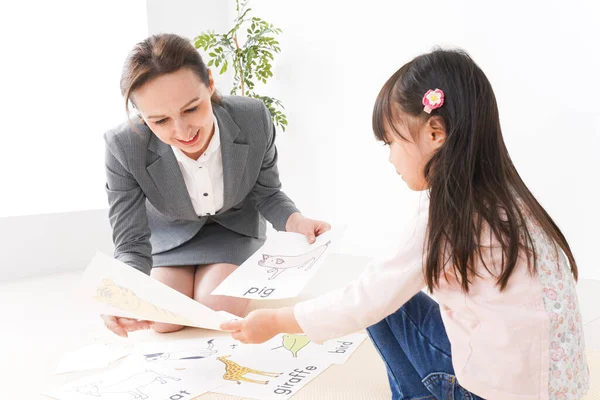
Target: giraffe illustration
pixel 235 372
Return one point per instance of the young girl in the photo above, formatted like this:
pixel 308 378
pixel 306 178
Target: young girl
pixel 191 181
pixel 507 326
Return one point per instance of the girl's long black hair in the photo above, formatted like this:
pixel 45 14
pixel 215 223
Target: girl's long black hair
pixel 471 177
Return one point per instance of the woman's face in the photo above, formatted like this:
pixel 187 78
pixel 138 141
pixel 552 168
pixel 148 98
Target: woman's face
pixel 177 108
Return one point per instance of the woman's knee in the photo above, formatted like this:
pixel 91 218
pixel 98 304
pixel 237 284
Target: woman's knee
pixel 208 277
pixel 160 327
pixel 232 305
pixel 178 278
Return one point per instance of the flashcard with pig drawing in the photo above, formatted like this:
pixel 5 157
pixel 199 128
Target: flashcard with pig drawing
pixel 281 268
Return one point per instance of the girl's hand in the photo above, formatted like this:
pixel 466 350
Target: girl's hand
pixel 261 325
pixel 306 226
pixel 120 325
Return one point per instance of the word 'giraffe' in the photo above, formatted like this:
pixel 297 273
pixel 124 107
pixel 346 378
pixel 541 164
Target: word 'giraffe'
pixel 235 372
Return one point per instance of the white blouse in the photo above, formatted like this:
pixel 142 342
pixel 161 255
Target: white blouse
pixel 204 177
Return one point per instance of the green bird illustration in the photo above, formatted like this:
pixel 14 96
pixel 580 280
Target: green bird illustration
pixel 294 343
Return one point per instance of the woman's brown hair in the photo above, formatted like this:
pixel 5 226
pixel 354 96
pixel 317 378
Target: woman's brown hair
pixel 159 55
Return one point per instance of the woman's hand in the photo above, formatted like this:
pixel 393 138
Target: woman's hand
pixel 306 226
pixel 261 325
pixel 120 325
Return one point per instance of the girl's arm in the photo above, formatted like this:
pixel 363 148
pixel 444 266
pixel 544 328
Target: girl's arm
pixel 261 325
pixel 380 291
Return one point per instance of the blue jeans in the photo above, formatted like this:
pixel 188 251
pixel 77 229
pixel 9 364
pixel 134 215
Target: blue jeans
pixel 416 351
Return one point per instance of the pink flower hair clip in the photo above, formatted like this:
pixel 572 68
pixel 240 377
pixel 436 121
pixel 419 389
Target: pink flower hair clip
pixel 432 100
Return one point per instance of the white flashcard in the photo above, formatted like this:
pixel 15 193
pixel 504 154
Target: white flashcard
pixel 131 382
pixel 299 346
pixel 281 268
pixel 120 290
pixel 94 356
pixel 252 375
pixel 185 353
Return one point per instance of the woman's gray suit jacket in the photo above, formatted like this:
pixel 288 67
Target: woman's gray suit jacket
pixel 150 208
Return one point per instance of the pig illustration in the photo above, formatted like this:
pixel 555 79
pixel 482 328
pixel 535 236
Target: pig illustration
pixel 279 263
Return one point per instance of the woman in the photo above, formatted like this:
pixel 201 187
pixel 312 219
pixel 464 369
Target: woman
pixel 191 178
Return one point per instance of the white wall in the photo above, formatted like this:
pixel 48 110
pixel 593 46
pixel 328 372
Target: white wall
pixel 34 245
pixel 190 18
pixel 59 80
pixel 541 57
pixel 59 91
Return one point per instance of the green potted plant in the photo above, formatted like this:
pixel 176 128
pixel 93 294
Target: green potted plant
pixel 251 60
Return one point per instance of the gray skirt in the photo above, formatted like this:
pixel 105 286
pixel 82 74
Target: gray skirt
pixel 211 245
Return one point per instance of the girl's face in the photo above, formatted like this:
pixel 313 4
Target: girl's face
pixel 410 157
pixel 177 108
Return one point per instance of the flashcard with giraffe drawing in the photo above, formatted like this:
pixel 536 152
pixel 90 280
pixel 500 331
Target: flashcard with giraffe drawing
pixel 281 268
pixel 252 374
pixel 133 381
pixel 115 288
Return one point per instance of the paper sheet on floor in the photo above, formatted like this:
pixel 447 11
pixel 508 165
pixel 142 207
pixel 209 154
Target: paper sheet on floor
pixel 279 368
pixel 253 374
pixel 118 289
pixel 94 356
pixel 193 353
pixel 135 381
pixel 299 346
pixel 186 353
pixel 281 268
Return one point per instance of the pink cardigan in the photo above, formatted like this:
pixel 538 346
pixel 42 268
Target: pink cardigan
pixel 525 343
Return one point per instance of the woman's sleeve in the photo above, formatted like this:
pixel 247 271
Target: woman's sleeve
pixel 127 210
pixel 270 201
